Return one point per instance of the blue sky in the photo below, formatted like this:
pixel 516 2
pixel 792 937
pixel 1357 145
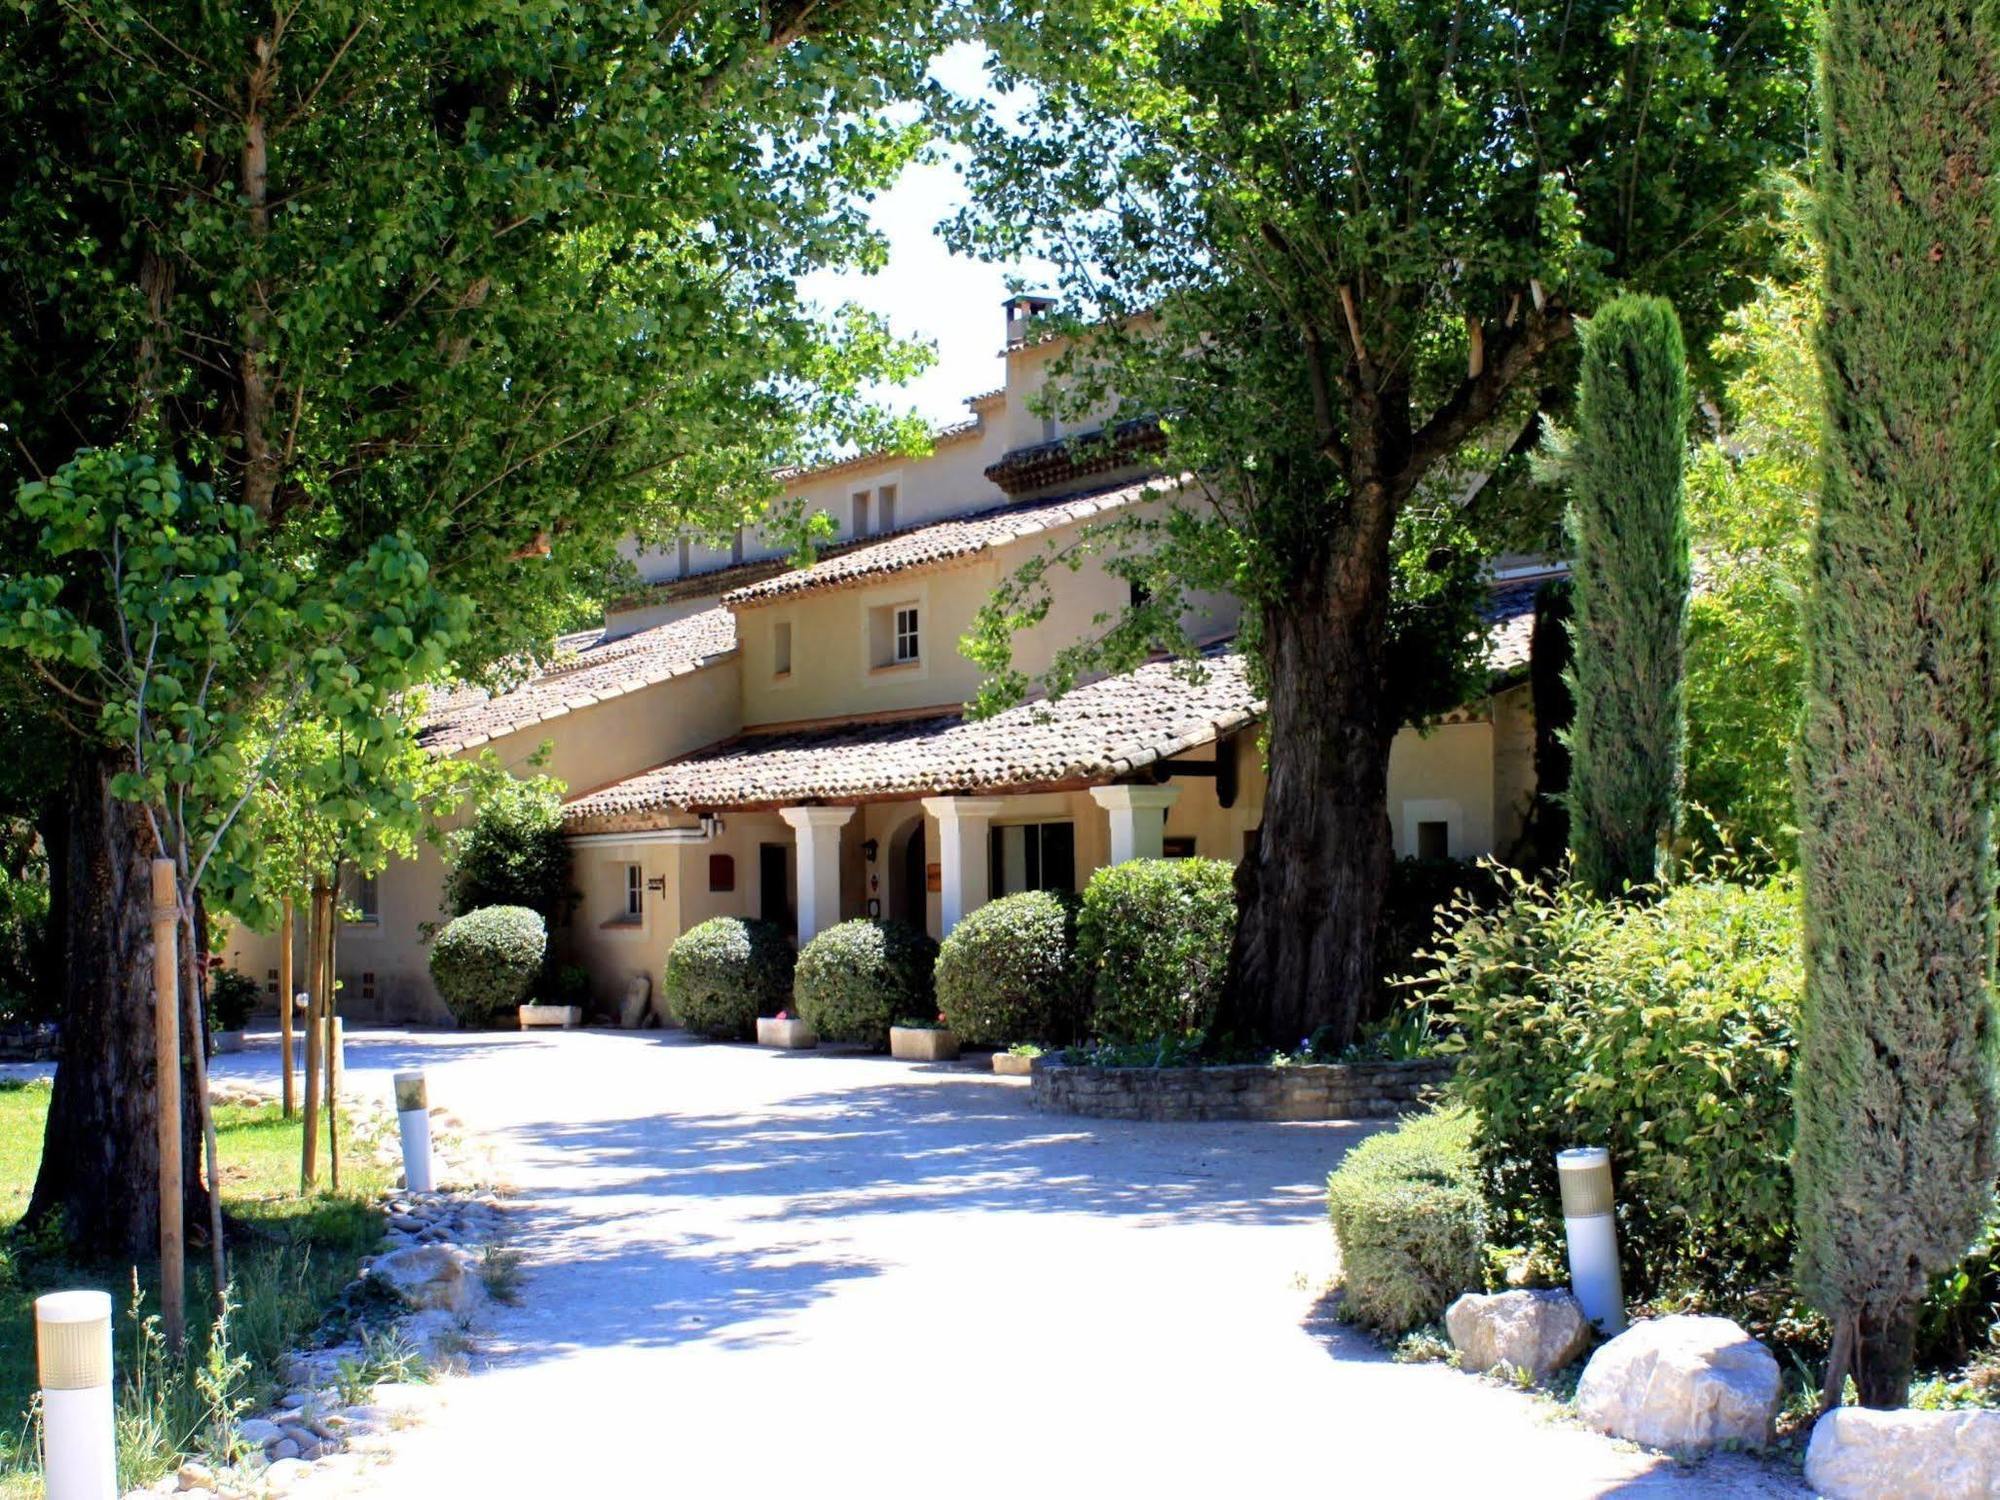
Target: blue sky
pixel 926 292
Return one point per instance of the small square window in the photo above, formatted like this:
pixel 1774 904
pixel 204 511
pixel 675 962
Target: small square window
pixel 270 981
pixel 367 984
pixel 908 644
pixel 1433 839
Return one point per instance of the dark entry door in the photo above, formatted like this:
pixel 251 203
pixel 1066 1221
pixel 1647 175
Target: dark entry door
pixel 774 895
pixel 909 905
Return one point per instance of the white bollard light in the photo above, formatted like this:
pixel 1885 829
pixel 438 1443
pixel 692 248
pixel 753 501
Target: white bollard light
pixel 1585 1174
pixel 413 1115
pixel 79 1439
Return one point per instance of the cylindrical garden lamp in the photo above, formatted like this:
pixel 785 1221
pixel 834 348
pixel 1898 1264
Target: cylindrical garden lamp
pixel 1585 1174
pixel 413 1117
pixel 79 1435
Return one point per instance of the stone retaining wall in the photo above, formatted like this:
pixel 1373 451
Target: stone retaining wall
pixel 1299 1091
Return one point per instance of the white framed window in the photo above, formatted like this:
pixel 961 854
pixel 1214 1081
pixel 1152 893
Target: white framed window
pixel 909 641
pixel 635 893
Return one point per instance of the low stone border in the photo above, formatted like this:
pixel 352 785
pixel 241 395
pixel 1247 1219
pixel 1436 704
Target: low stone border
pixel 1293 1091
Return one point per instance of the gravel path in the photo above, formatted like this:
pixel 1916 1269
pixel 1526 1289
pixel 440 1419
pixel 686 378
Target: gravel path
pixel 755 1273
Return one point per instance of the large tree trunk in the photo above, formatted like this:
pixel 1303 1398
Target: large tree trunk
pixel 100 1172
pixel 1310 894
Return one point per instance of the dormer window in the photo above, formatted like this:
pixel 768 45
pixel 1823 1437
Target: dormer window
pixel 860 515
pixel 908 646
pixel 885 508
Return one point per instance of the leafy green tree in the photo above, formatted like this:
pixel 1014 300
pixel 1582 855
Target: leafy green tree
pixel 1752 497
pixel 1900 758
pixel 440 301
pixel 512 853
pixel 1628 528
pixel 1338 252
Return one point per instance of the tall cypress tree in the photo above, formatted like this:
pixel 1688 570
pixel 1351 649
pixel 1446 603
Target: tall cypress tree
pixel 1898 765
pixel 1628 525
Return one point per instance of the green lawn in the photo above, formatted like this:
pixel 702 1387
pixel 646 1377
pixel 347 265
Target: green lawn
pixel 290 1257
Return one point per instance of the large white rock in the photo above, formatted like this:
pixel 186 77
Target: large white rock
pixel 423 1276
pixel 1684 1383
pixel 1857 1454
pixel 636 1009
pixel 1538 1332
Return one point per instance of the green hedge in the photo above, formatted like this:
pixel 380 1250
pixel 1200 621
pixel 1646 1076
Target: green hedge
pixel 1663 1031
pixel 859 978
pixel 1411 1222
pixel 485 961
pixel 232 999
pixel 1154 936
pixel 724 973
pixel 1008 972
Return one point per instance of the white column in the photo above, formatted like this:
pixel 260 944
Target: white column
pixel 818 830
pixel 1138 819
pixel 962 854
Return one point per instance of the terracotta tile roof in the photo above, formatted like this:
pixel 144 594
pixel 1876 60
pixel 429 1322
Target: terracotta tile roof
pixel 1062 459
pixel 1510 613
pixel 1096 733
pixel 587 669
pixel 944 541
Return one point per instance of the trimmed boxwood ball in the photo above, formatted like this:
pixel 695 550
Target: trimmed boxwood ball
pixel 1008 972
pixel 1407 1211
pixel 485 962
pixel 856 980
pixel 724 973
pixel 1154 936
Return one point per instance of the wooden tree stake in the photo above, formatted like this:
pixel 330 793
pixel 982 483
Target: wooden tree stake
pixel 285 938
pixel 167 1060
pixel 315 970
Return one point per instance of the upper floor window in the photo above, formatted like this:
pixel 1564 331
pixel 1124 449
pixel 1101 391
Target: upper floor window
pixel 736 546
pixel 685 551
pixel 859 518
pixel 908 642
pixel 635 893
pixel 781 649
pixel 361 897
pixel 885 508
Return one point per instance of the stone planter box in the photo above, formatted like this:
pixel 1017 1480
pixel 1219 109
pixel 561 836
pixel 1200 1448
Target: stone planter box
pixel 568 1017
pixel 1300 1091
pixel 229 1041
pixel 790 1034
pixel 922 1044
pixel 1012 1065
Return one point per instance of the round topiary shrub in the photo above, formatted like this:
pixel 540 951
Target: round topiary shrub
pixel 1153 936
pixel 1008 972
pixel 724 973
pixel 485 961
pixel 858 979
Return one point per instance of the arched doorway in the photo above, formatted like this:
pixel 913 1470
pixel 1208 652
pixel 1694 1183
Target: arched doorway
pixel 907 900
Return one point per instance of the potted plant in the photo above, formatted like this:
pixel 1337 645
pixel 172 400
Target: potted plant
pixel 923 1041
pixel 564 1007
pixel 232 996
pixel 1018 1061
pixel 787 1032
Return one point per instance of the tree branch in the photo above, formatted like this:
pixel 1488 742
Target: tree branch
pixel 1477 399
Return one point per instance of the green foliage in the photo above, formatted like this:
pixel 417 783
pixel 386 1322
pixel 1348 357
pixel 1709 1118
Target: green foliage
pixel 1664 1032
pixel 722 974
pixel 28 981
pixel 512 853
pixel 1628 526
pixel 1154 935
pixel 1752 498
pixel 1407 1211
pixel 485 962
pixel 232 997
pixel 856 978
pixel 1900 758
pixel 1008 972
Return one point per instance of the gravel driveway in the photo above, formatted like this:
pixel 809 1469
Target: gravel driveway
pixel 755 1273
